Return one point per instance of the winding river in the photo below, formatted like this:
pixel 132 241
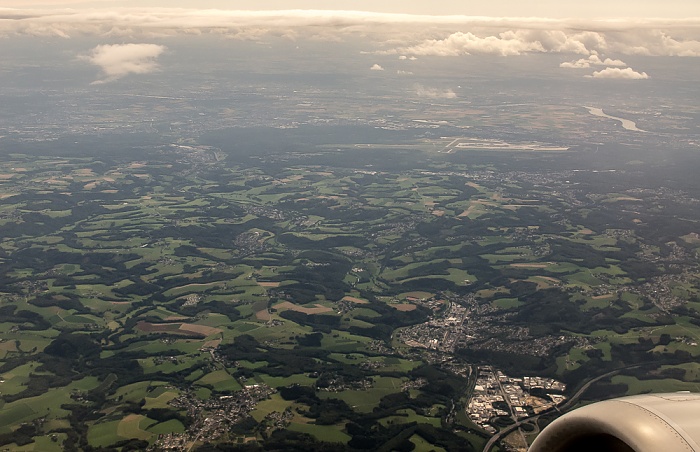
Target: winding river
pixel 626 123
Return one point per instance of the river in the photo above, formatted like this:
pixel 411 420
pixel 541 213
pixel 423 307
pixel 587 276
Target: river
pixel 626 123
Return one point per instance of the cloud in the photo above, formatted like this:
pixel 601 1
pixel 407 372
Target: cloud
pixel 400 72
pixel 593 60
pixel 562 37
pixel 119 60
pixel 400 34
pixel 656 42
pixel 509 43
pixel 376 67
pixel 583 63
pixel 434 93
pixel 468 43
pixel 620 74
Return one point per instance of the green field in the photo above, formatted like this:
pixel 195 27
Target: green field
pixel 220 380
pixel 637 386
pixel 330 433
pixel 423 445
pixel 201 271
pixel 408 416
pixel 104 434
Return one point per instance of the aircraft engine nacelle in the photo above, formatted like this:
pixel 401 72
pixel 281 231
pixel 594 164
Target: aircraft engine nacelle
pixel 644 423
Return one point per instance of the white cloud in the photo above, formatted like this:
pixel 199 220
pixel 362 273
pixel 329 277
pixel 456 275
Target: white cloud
pixel 622 74
pixel 583 63
pixel 657 42
pixel 651 38
pixel 400 72
pixel 509 42
pixel 399 34
pixel 434 93
pixel 468 43
pixel 119 60
pixel 593 60
pixel 376 67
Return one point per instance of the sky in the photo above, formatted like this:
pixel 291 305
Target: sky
pixel 595 38
pixel 496 8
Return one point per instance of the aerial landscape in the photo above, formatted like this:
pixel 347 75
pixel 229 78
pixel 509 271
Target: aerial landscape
pixel 304 228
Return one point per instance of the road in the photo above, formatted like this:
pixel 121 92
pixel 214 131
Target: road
pixel 510 407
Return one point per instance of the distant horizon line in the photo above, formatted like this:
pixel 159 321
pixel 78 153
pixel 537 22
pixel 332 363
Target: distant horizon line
pixel 417 17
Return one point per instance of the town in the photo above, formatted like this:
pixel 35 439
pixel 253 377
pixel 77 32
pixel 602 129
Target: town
pixel 497 395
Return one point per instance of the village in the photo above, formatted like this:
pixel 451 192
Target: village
pixel 212 418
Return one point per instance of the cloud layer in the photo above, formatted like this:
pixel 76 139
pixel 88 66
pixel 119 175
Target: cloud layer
pixel 522 41
pixel 393 33
pixel 119 60
pixel 596 42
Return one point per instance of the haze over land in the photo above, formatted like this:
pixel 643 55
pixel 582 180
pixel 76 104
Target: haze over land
pixel 399 228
